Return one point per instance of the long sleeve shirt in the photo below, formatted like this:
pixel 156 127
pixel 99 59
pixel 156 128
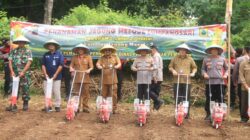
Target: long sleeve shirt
pixel 158 63
pixel 236 77
pixel 183 65
pixel 244 73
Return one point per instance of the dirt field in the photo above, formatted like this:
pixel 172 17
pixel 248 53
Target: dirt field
pixel 35 124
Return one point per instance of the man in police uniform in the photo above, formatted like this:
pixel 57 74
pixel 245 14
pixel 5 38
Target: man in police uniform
pixel 215 71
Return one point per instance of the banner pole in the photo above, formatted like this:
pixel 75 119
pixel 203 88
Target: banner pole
pixel 228 22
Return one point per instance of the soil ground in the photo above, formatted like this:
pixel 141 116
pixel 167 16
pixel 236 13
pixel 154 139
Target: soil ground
pixel 35 124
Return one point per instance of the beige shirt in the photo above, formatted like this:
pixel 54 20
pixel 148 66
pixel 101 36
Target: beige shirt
pixel 182 65
pixel 245 73
pixel 109 73
pixel 142 64
pixel 158 64
pixel 81 64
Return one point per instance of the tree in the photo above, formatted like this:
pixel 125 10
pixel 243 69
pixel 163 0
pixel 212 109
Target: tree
pixel 48 7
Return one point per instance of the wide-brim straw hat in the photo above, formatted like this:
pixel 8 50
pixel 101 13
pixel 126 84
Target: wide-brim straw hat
pixel 219 48
pixel 183 46
pixel 143 47
pixel 21 39
pixel 51 41
pixel 81 46
pixel 108 47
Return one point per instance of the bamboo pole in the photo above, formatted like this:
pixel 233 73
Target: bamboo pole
pixel 228 22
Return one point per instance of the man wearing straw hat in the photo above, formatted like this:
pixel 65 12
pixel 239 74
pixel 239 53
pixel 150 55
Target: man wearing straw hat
pixel 109 62
pixel 20 60
pixel 183 64
pixel 82 61
pixel 52 64
pixel 214 70
pixel 144 67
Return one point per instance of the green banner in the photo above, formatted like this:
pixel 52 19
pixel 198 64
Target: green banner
pixel 124 38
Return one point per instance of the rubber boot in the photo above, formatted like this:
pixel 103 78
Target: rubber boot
pixel 25 105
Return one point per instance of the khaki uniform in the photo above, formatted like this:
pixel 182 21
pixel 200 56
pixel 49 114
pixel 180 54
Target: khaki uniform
pixel 109 73
pixel 181 65
pixel 244 72
pixel 82 64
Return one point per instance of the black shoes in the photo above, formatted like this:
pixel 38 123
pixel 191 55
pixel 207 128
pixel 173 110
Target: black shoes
pixel 207 118
pixel 159 104
pixel 47 109
pixel 11 108
pixel 57 109
pixel 25 106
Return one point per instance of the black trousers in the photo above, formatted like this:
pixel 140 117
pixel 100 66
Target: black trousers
pixel 119 84
pixel 232 94
pixel 218 92
pixel 182 93
pixel 7 78
pixel 67 78
pixel 143 91
pixel 244 105
pixel 239 95
pixel 155 89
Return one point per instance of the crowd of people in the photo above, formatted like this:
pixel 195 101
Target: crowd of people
pixel 149 68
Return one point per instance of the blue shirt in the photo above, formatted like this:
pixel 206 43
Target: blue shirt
pixel 52 61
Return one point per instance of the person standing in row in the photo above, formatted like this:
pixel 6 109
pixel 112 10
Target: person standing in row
pixel 242 68
pixel 66 76
pixel 236 79
pixel 144 66
pixel 82 61
pixel 20 60
pixel 155 87
pixel 215 71
pixel 52 64
pixel 244 74
pixel 5 50
pixel 184 66
pixel 108 63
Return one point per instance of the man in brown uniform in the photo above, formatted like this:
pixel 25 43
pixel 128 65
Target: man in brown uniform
pixel 109 62
pixel 82 61
pixel 182 64
pixel 244 73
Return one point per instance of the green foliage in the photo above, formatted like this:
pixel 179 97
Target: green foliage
pixel 168 99
pixel 129 99
pixel 83 15
pixel 5 24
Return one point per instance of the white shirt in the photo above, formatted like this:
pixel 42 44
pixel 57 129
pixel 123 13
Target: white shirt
pixel 158 63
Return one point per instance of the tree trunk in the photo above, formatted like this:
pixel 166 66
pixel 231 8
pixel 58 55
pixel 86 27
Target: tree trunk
pixel 48 6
